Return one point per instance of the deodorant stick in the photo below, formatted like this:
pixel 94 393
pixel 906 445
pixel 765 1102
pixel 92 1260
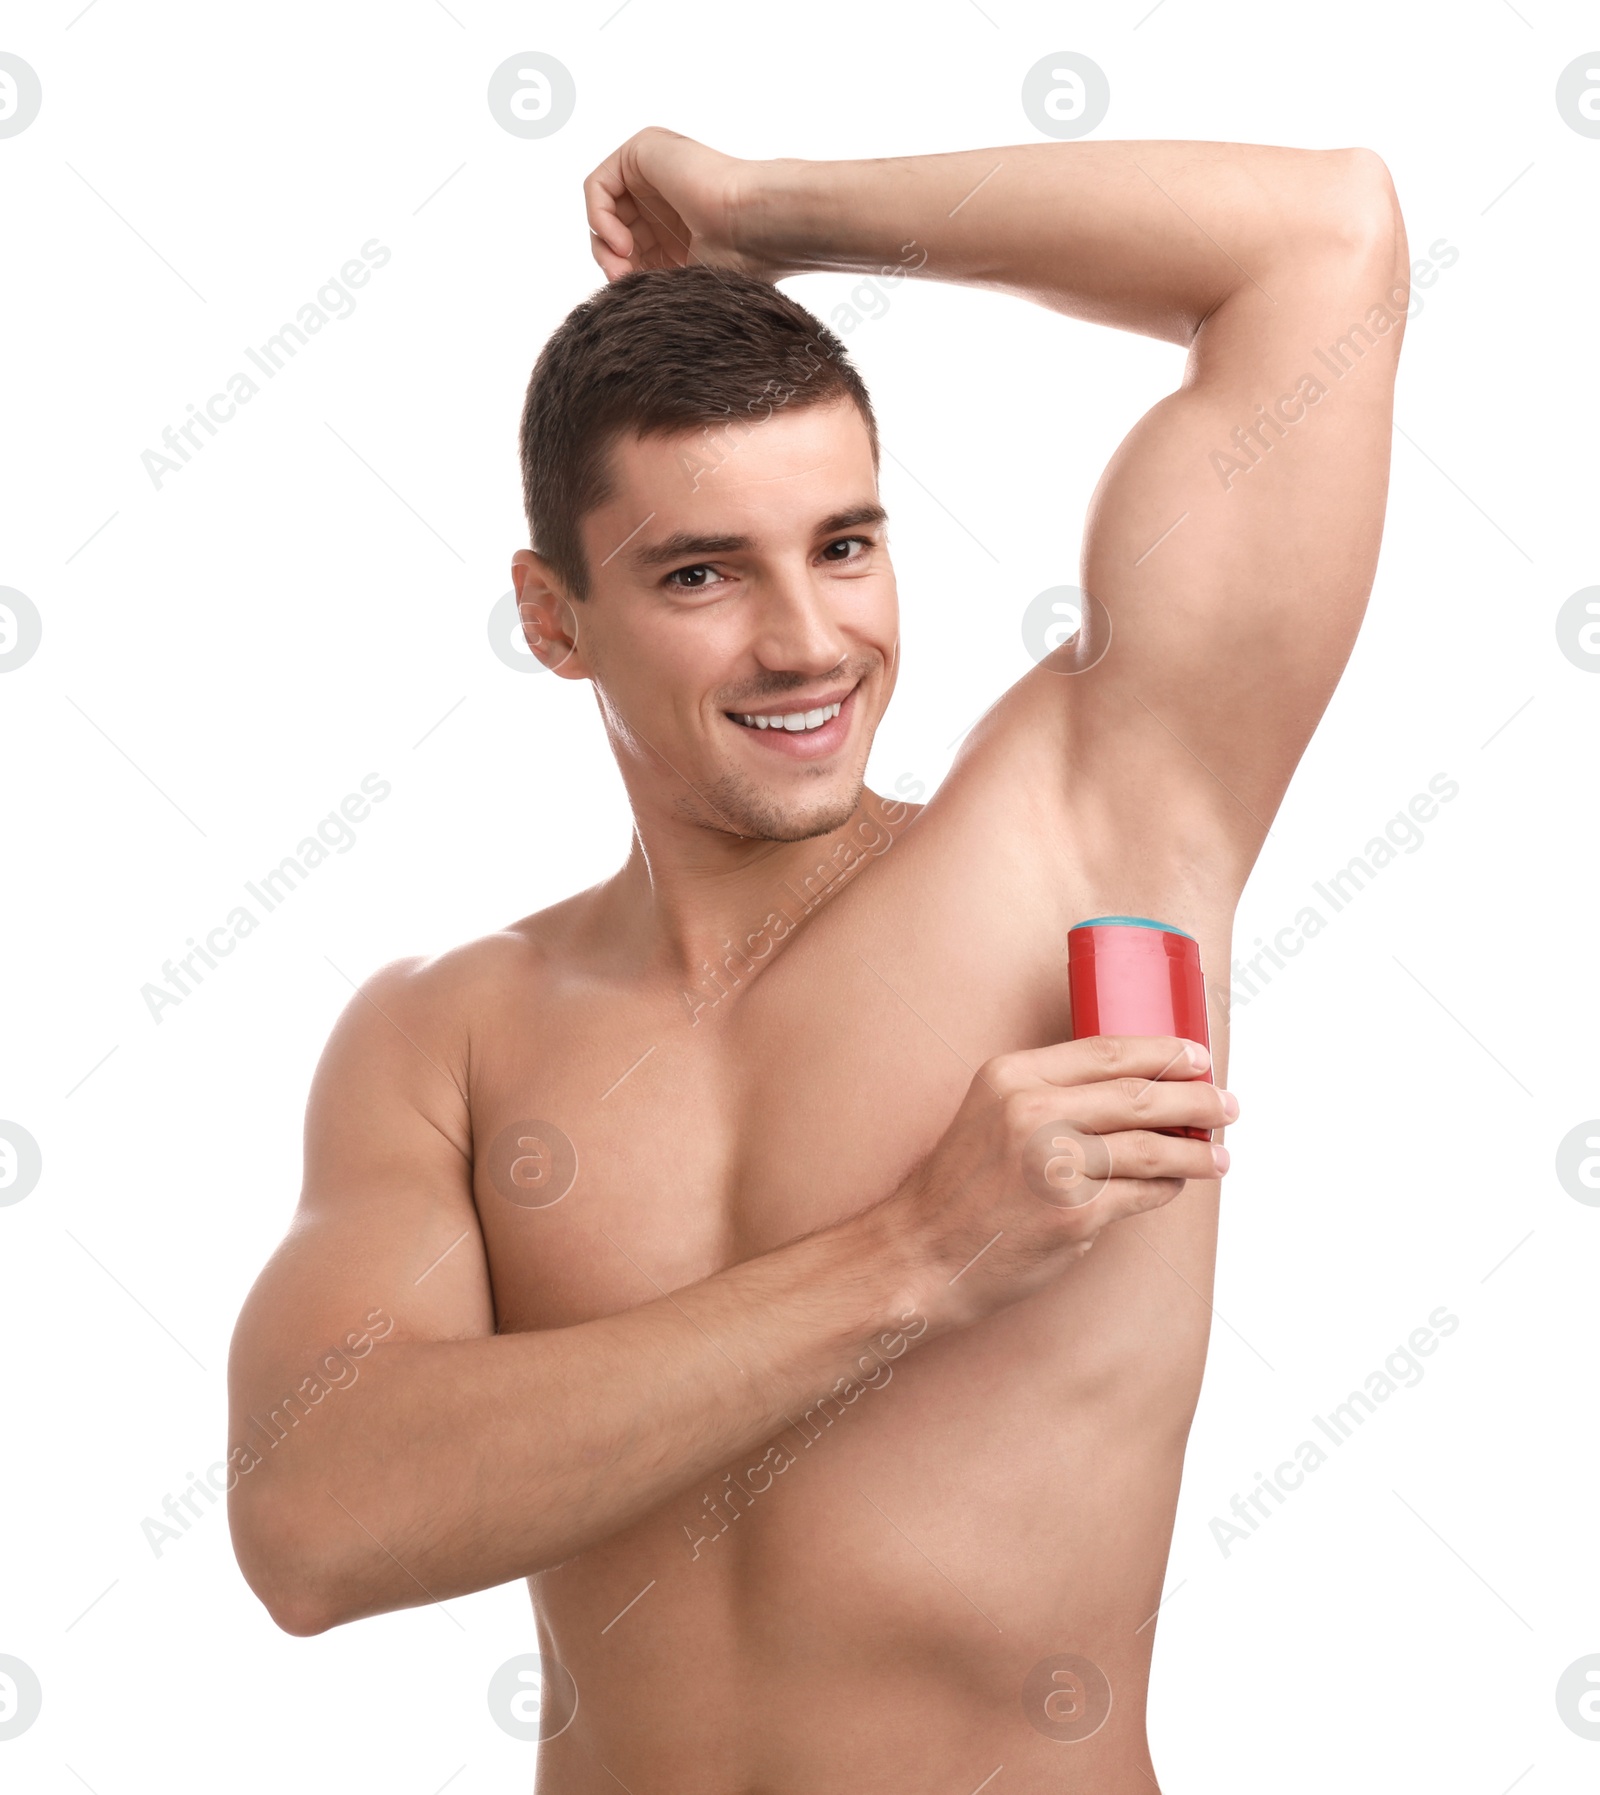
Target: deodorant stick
pixel 1131 976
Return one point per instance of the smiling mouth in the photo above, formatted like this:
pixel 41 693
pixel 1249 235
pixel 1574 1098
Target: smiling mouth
pixel 795 722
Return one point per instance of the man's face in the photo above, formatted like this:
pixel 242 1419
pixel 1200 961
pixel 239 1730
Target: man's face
pixel 744 575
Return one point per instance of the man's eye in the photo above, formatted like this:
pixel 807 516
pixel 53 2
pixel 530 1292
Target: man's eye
pixel 844 542
pixel 683 577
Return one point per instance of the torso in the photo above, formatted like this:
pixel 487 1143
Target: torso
pixel 868 1616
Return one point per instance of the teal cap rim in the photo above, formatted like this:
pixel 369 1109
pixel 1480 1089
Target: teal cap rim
pixel 1138 922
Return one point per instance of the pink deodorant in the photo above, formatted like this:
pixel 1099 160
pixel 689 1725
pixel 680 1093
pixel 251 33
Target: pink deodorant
pixel 1130 976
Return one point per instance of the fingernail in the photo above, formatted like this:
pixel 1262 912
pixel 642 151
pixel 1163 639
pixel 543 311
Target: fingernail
pixel 1199 1057
pixel 1230 1104
pixel 1219 1156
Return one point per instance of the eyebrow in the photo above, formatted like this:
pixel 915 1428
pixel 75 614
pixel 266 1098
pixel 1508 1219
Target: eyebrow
pixel 683 546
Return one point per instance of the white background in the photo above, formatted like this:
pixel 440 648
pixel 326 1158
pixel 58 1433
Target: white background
pixel 229 655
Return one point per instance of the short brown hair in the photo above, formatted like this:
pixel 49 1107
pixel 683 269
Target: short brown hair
pixel 659 351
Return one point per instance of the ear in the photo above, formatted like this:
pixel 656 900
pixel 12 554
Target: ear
pixel 549 618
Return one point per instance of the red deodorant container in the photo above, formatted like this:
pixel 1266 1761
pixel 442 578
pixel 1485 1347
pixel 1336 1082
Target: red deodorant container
pixel 1131 976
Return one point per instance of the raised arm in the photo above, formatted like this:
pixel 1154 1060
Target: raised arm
pixel 389 1448
pixel 1232 541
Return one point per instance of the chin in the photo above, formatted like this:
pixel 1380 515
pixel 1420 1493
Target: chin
pixel 737 807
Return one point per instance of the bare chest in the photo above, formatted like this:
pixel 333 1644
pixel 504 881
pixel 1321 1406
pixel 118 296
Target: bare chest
pixel 628 1147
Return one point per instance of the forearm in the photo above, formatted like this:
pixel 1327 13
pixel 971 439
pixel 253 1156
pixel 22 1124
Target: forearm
pixel 1147 236
pixel 452 1466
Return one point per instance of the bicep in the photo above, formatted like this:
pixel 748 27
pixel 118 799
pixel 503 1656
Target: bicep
pixel 1230 548
pixel 385 1244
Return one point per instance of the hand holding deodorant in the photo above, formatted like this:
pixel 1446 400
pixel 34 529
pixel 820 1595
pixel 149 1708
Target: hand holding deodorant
pixel 1131 976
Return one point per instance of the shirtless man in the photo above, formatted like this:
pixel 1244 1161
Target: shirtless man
pixel 683 1231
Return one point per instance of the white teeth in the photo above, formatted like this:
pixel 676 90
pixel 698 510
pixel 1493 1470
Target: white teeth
pixel 795 721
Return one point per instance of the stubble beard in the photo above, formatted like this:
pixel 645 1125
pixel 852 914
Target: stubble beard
pixel 736 805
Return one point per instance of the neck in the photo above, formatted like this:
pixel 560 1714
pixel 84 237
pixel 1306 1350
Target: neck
pixel 705 909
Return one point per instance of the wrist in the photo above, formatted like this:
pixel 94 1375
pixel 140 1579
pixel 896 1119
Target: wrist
pixel 915 1285
pixel 781 215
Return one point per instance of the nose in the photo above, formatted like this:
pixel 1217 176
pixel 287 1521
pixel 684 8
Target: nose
pixel 797 630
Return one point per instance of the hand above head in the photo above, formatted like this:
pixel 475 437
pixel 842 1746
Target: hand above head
pixel 661 200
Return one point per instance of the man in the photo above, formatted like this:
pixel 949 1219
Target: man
pixel 725 1301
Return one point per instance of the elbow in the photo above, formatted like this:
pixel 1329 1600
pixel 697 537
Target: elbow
pixel 1358 210
pixel 1329 227
pixel 1345 238
pixel 297 1605
pixel 298 1612
pixel 286 1572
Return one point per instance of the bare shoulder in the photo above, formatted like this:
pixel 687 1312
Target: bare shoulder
pixel 451 985
pixel 409 1027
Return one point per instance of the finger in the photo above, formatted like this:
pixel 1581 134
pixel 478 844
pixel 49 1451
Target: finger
pixel 1069 1167
pixel 1121 1199
pixel 611 264
pixel 1139 1153
pixel 603 193
pixel 1097 1058
pixel 1124 1197
pixel 1081 1164
pixel 1133 1102
pixel 655 222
